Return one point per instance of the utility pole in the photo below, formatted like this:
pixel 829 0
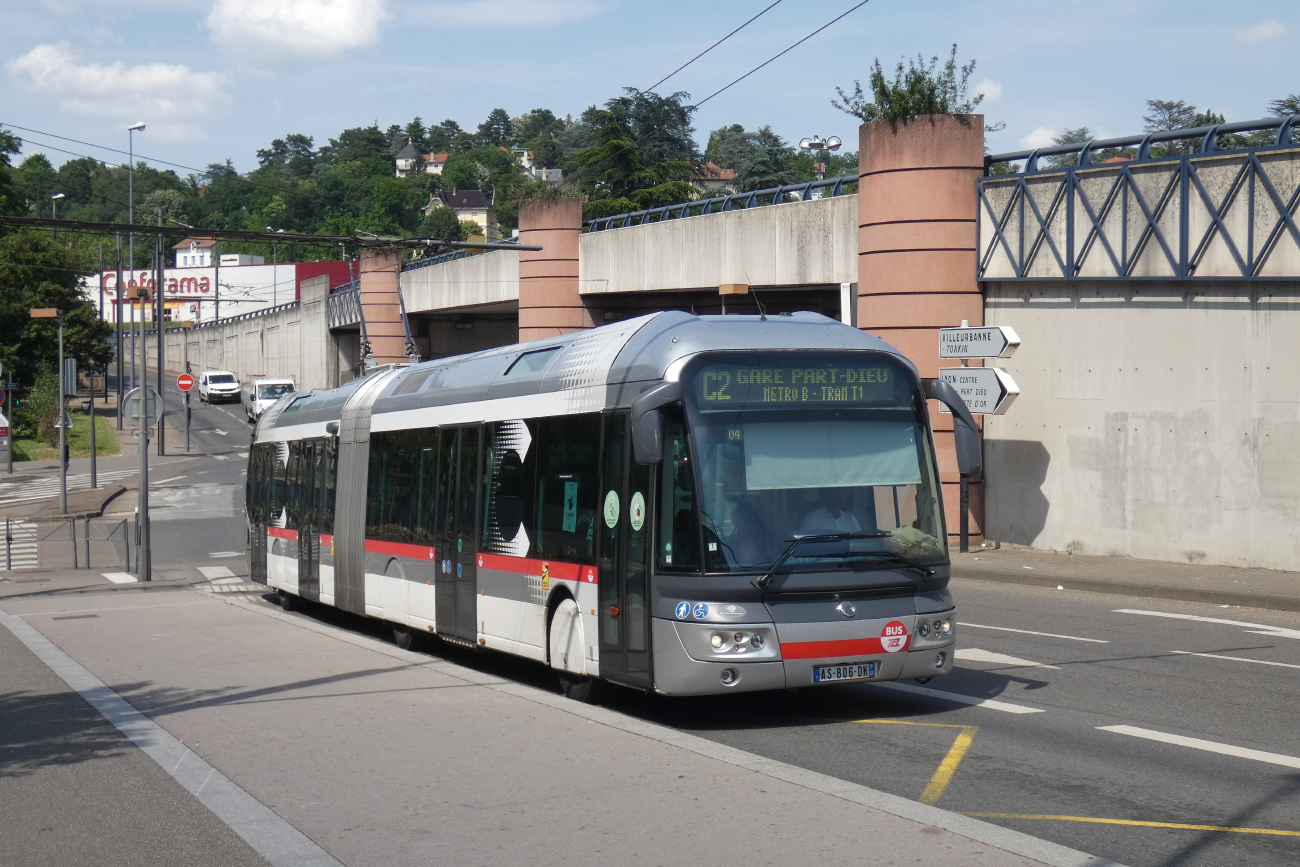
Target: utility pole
pixel 121 290
pixel 130 187
pixel 159 315
pixel 143 558
pixel 185 336
pixel 216 284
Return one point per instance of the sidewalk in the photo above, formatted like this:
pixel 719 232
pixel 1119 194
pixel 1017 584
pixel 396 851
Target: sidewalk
pixel 1218 585
pixel 390 756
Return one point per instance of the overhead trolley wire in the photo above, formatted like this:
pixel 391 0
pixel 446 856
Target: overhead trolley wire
pixel 782 53
pixel 710 48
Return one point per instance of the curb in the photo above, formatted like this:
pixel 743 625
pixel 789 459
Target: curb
pixel 1181 594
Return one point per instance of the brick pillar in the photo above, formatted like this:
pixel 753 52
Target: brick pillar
pixel 380 305
pixel 549 302
pixel 917 210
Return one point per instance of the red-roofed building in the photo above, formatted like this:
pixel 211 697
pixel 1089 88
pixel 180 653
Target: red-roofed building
pixel 709 177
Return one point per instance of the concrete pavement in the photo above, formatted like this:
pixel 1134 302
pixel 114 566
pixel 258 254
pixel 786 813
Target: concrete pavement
pixel 384 756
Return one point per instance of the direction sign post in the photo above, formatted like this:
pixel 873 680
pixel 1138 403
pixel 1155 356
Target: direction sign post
pixel 986 390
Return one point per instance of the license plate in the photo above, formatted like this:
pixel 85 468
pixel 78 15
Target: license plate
pixel 844 671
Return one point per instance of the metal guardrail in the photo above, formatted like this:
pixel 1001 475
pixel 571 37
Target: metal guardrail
pixel 266 311
pixel 719 204
pixel 453 255
pixel 94 530
pixel 343 307
pixel 1213 214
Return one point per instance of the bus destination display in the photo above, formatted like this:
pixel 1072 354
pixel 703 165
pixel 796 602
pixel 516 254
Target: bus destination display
pixel 722 386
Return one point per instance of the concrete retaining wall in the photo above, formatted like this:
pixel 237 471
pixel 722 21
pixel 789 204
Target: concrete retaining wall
pixel 295 343
pixel 795 244
pixel 1158 421
pixel 489 278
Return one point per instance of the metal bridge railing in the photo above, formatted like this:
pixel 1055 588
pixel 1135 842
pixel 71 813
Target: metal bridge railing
pixel 1226 213
pixel 718 204
pixel 450 256
pixel 343 306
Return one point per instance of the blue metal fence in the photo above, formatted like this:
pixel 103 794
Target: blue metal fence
pixel 1220 213
pixel 718 204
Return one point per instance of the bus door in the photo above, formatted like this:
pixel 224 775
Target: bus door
pixel 456 587
pixel 309 517
pixel 258 507
pixel 624 614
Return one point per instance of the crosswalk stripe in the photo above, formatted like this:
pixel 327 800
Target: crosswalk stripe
pixel 23 550
pixel 18 492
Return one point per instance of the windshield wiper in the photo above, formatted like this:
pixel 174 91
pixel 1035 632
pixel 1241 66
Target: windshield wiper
pixel 763 580
pixel 898 560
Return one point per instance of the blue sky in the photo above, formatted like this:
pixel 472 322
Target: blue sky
pixel 217 79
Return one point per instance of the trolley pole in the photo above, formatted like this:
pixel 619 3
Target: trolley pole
pixel 185 337
pixel 963 524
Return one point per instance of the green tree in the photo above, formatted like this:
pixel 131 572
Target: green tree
pixel 769 167
pixel 10 196
pixel 36 272
pixel 441 223
pixel 918 89
pixel 619 180
pixel 447 137
pixel 498 129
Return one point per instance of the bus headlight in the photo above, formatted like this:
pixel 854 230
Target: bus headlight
pixel 757 641
pixel 944 628
pixel 717 639
pixel 923 629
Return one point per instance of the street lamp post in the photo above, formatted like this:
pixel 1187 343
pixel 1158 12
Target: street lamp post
pixel 130 188
pixel 820 147
pixel 54 211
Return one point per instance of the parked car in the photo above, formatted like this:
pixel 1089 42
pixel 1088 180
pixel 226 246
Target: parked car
pixel 218 385
pixel 261 393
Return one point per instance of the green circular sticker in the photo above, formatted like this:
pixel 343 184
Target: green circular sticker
pixel 611 509
pixel 460 545
pixel 637 514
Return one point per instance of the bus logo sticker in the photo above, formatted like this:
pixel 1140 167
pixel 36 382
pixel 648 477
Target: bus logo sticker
pixel 458 570
pixel 893 637
pixel 546 576
pixel 683 610
pixel 611 510
pixel 636 515
pixel 701 611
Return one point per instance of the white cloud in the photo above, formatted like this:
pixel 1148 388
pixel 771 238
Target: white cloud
pixel 1039 138
pixel 165 96
pixel 991 89
pixel 304 28
pixel 507 13
pixel 1264 31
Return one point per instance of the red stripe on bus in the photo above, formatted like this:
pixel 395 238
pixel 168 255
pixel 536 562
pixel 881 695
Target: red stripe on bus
pixel 400 549
pixel 829 649
pixel 551 568
pixel 282 533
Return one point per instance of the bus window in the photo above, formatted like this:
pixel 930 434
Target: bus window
pixel 400 493
pixel 566 487
pixel 279 483
pixel 678 526
pixel 327 472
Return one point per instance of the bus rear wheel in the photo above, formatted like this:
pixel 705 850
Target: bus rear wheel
pixel 403 637
pixel 288 601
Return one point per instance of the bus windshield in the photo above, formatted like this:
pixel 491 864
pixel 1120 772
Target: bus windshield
pixel 788 446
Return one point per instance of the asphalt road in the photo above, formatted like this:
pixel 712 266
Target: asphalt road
pixel 1157 738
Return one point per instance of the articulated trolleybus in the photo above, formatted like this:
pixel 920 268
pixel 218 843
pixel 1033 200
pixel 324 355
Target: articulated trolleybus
pixel 677 503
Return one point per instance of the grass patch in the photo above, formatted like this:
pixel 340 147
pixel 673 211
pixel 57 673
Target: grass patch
pixel 78 441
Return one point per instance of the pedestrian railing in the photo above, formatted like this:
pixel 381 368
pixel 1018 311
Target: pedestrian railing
pixel 119 533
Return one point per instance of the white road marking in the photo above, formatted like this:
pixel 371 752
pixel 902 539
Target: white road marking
pixel 1264 628
pixel 39 489
pixel 221 457
pixel 974 654
pixel 120 577
pixel 244 455
pixel 990 704
pixel 212 573
pixel 218 555
pixel 964 624
pixel 22 548
pixel 1235 658
pixel 1208 746
pixel 219 431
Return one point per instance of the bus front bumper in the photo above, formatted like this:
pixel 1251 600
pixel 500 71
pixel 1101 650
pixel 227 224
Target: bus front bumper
pixel 676 672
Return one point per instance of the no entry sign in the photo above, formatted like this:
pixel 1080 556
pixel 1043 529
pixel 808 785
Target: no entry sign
pixel 184 382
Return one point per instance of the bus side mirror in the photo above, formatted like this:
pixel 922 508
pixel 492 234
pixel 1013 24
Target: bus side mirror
pixel 965 435
pixel 647 423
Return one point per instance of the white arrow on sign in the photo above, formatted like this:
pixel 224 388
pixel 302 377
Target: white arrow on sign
pixel 986 390
pixel 994 341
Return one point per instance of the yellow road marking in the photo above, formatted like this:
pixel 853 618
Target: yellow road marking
pixel 1096 821
pixel 943 776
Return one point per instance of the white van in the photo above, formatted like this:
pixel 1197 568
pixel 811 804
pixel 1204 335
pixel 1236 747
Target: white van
pixel 217 385
pixel 259 395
